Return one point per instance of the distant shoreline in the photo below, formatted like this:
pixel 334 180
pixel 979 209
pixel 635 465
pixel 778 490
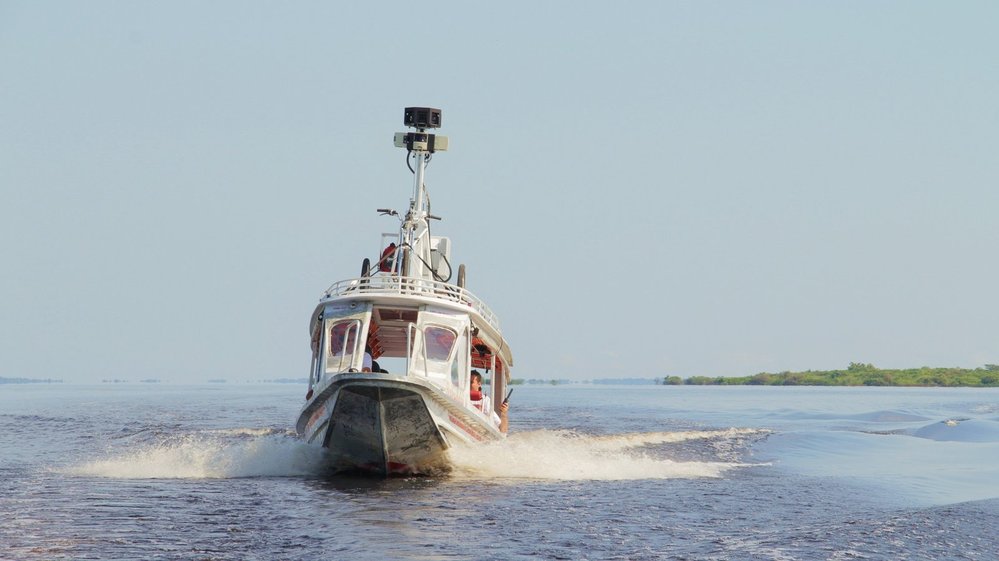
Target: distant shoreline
pixel 857 374
pixel 29 381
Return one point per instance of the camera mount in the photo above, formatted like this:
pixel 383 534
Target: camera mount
pixel 421 119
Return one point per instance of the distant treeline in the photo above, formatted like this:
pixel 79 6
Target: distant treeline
pixel 519 381
pixel 609 381
pixel 857 374
pixel 28 381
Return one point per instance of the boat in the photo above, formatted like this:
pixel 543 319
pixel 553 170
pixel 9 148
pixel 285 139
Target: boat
pixel 394 349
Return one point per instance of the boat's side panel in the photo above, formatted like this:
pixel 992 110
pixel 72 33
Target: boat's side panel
pixel 312 421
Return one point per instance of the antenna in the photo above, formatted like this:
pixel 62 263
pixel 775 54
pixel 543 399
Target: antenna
pixel 420 145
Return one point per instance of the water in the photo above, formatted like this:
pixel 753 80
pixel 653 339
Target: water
pixel 589 472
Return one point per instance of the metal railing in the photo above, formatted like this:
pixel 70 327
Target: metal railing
pixel 411 286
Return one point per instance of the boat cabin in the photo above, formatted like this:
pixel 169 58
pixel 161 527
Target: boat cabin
pixel 436 343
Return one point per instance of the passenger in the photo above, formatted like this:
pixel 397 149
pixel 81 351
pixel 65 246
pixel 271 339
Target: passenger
pixel 477 395
pixel 366 366
pixel 475 386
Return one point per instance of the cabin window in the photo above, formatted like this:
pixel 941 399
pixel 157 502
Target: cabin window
pixel 440 341
pixel 391 314
pixel 342 344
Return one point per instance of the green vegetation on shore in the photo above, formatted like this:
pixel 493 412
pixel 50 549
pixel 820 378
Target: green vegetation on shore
pixel 29 381
pixel 857 374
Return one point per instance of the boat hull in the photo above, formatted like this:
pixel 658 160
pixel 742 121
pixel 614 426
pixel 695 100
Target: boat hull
pixel 387 427
pixel 383 430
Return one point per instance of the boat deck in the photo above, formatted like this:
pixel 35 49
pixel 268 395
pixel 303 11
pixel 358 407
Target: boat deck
pixel 392 285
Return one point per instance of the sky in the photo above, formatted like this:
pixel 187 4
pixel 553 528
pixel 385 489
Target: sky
pixel 637 189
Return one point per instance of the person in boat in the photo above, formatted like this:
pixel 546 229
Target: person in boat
pixel 368 363
pixel 479 399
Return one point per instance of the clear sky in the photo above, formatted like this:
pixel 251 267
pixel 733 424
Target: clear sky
pixel 637 188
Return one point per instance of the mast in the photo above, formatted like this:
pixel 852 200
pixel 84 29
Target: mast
pixel 419 145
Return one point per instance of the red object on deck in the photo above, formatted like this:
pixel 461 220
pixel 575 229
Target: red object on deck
pixel 385 265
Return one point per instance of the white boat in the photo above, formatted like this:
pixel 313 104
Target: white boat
pixel 393 350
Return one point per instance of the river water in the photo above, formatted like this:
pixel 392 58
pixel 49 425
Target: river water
pixel 214 472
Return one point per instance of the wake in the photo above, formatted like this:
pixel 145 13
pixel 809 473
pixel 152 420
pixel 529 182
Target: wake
pixel 566 455
pixel 217 454
pixel 541 455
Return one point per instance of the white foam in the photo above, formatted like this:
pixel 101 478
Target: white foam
pixel 631 440
pixel 543 454
pixel 209 455
pixel 243 432
pixel 564 455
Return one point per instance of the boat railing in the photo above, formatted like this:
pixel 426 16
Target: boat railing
pixel 411 286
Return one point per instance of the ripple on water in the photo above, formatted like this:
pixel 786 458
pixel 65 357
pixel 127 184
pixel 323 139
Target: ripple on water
pixel 960 430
